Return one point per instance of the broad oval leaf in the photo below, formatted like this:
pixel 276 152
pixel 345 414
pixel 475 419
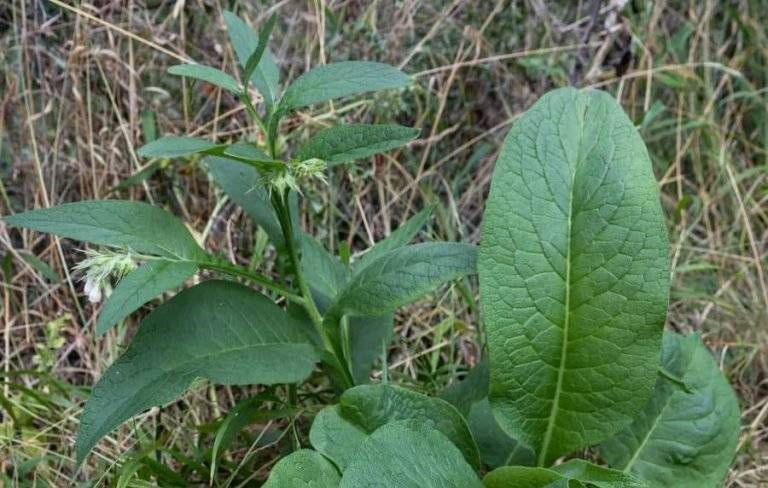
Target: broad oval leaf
pixel 407 455
pixel 336 80
pixel 343 143
pixel 686 436
pixel 219 330
pixel 574 274
pixel 175 146
pixel 336 437
pixel 140 286
pixel 208 74
pixel 138 226
pixel 372 406
pixel 245 41
pixel 403 275
pixel 304 468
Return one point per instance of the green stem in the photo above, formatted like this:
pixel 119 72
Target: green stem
pixel 257 278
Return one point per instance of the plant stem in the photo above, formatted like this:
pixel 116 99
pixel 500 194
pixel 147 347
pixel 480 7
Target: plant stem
pixel 257 278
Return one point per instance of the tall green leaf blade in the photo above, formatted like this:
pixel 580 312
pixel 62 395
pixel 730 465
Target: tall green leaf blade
pixel 218 330
pixel 140 286
pixel 337 80
pixel 208 74
pixel 408 455
pixel 243 185
pixel 245 41
pixel 397 239
pixel 372 406
pixel 574 274
pixel 137 226
pixel 343 143
pixel 403 275
pixel 335 437
pixel 303 469
pixel 686 436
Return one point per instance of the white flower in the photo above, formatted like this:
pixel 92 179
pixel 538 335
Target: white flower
pixel 99 267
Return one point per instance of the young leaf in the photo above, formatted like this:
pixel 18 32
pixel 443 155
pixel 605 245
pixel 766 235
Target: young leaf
pixel 175 146
pixel 243 185
pixel 303 469
pixel 335 437
pixel 397 239
pixel 574 274
pixel 255 58
pixel 342 143
pixel 134 225
pixel 218 330
pixel 406 454
pixel 244 40
pixel 140 286
pixel 686 436
pixel 372 406
pixel 403 275
pixel 336 80
pixel 207 74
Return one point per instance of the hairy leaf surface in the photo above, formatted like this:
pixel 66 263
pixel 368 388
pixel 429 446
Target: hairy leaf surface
pixel 175 146
pixel 134 225
pixel 208 74
pixel 141 286
pixel 342 143
pixel 372 406
pixel 304 468
pixel 574 274
pixel 218 330
pixel 336 437
pixel 408 455
pixel 687 434
pixel 336 80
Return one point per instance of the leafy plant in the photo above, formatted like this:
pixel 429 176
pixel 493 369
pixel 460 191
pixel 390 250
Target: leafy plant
pixel 574 278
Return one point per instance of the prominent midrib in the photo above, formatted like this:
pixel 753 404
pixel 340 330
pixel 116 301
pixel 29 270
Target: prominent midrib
pixel 648 435
pixel 566 321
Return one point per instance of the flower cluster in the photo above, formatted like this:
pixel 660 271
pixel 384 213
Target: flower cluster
pixel 294 174
pixel 102 266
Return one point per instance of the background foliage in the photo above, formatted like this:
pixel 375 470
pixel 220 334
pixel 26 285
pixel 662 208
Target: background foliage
pixel 78 96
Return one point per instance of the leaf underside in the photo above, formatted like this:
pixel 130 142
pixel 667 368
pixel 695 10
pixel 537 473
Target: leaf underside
pixel 573 274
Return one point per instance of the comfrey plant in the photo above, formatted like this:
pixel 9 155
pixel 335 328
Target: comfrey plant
pixel 574 279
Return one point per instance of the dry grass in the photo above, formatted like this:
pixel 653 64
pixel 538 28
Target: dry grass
pixel 76 95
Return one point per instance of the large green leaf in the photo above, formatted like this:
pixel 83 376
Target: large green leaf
pixel 208 74
pixel 134 225
pixel 342 143
pixel 372 406
pixel 368 338
pixel 336 437
pixel 336 80
pixel 405 454
pixel 140 286
pixel 303 469
pixel 686 436
pixel 218 330
pixel 574 274
pixel 175 146
pixel 243 185
pixel 403 275
pixel 245 41
pixel 397 239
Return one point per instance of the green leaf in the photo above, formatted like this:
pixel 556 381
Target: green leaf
pixel 335 437
pixel 175 146
pixel 255 58
pixel 523 477
pixel 336 80
pixel 246 150
pixel 244 40
pixel 243 185
pixel 218 330
pixel 134 225
pixel 372 406
pixel 403 275
pixel 140 286
pixel 397 239
pixel 41 267
pixel 597 476
pixel 303 469
pixel 342 143
pixel 236 420
pixel 684 437
pixel 327 276
pixel 408 455
pixel 208 74
pixel 368 336
pixel 574 275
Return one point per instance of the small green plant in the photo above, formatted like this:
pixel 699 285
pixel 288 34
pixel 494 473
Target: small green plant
pixel 574 280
